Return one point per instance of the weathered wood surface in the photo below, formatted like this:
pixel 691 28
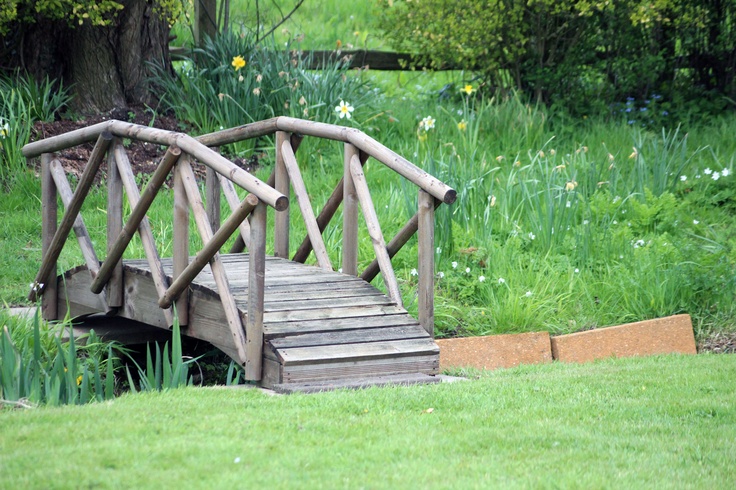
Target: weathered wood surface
pixel 318 325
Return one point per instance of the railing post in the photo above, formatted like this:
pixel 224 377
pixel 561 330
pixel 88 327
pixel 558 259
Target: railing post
pixel 256 280
pixel 49 215
pixel 212 198
pixel 282 185
pixel 181 242
pixel 349 216
pixel 425 302
pixel 114 227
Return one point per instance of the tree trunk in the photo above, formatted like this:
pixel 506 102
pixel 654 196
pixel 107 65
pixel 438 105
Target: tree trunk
pixel 107 67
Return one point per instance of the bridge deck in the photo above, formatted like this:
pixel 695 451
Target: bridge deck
pixel 319 325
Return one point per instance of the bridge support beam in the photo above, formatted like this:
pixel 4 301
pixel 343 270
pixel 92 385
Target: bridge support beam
pixel 425 301
pixel 256 290
pixel 49 216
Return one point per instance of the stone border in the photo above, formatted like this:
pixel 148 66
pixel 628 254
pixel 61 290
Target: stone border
pixel 673 334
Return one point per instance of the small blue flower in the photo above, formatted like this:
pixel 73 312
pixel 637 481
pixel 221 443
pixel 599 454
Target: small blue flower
pixel 665 113
pixel 656 96
pixel 643 109
pixel 631 122
pixel 628 109
pixel 629 99
pixel 647 101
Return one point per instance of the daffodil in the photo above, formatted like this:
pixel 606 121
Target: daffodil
pixel 462 125
pixel 468 89
pixel 427 123
pixel 4 129
pixel 238 63
pixel 344 109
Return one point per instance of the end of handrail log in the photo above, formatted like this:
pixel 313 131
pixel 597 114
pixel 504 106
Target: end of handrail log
pixel 64 141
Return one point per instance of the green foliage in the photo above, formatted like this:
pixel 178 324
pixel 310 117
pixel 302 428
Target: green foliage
pixel 581 56
pixel 163 372
pixel 36 368
pixel 212 91
pixel 23 101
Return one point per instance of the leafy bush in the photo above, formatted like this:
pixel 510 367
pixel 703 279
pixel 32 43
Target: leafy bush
pixel 232 81
pixel 580 56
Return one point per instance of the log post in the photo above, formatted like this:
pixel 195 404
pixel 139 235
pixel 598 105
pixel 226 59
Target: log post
pixel 181 243
pixel 350 216
pixel 212 198
pixel 282 185
pixel 256 285
pixel 114 227
pixel 67 221
pixel 425 301
pixel 374 230
pixel 49 211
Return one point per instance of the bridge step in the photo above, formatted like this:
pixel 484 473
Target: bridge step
pixel 358 383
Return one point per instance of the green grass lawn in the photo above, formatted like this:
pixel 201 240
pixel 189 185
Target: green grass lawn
pixel 659 422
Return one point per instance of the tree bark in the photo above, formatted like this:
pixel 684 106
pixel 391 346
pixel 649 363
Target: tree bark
pixel 107 67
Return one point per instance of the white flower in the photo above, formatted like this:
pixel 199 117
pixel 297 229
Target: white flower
pixel 568 204
pixel 236 460
pixel 467 270
pixel 639 243
pixel 439 250
pixel 528 294
pixel 697 176
pixel 585 221
pixel 532 236
pixel 683 178
pixel 716 176
pixel 707 171
pixel 615 222
pixel 454 265
pixel 414 272
pixel 501 280
pixel 481 278
pixel 696 222
pixel 577 270
pixel 440 274
pixel 339 270
pixel 427 123
pixel 725 172
pixel 344 109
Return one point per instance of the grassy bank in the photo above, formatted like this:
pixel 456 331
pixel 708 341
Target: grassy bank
pixel 661 422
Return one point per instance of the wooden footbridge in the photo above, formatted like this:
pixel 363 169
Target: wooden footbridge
pixel 291 326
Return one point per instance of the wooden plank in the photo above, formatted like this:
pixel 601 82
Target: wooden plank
pixel 80 229
pixel 114 288
pixel 282 185
pixel 425 290
pixel 374 230
pixel 343 290
pixel 428 364
pixel 296 305
pixel 223 287
pixel 357 352
pixel 180 244
pixel 212 198
pixel 328 313
pixel 143 227
pixel 281 329
pixel 48 263
pixel 354 336
pixel 300 190
pixel 349 215
pixel 408 379
pixel 49 216
pixel 254 324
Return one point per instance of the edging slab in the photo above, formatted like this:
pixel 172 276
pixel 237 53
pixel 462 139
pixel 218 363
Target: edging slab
pixel 495 351
pixel 672 334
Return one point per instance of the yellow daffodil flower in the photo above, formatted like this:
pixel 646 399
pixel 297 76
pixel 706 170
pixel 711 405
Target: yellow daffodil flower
pixel 238 63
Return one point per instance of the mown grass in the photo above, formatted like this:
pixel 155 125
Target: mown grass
pixel 660 422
